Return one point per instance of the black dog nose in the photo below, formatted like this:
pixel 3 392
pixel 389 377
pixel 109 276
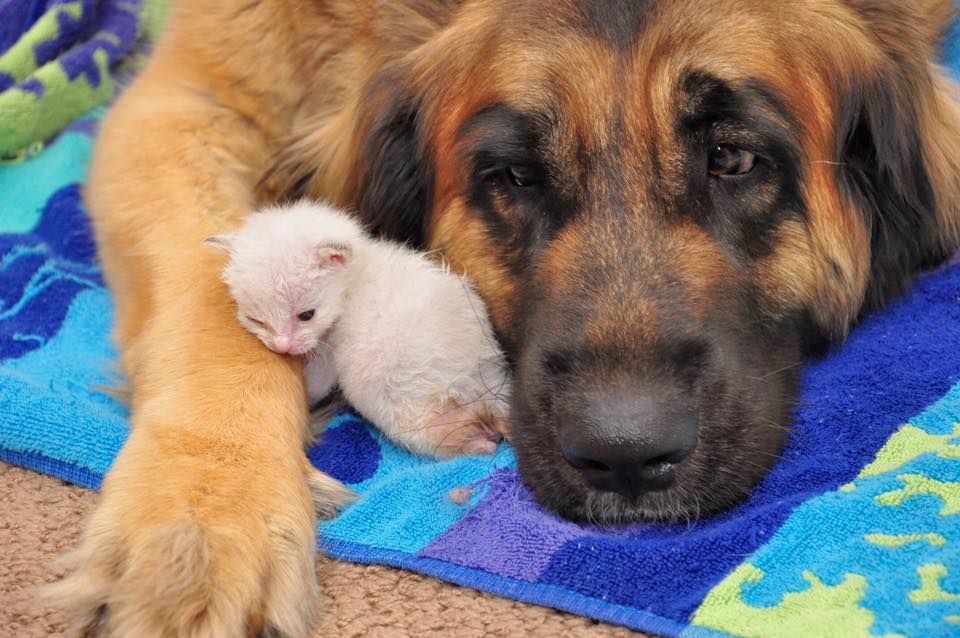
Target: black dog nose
pixel 629 444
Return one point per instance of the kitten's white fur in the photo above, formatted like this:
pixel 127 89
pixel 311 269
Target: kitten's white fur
pixel 409 341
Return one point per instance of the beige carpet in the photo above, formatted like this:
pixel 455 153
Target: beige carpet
pixel 40 519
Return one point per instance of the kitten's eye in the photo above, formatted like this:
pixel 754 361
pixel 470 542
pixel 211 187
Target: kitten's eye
pixel 726 160
pixel 256 321
pixel 306 315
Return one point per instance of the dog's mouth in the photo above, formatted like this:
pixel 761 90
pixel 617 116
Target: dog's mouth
pixel 692 464
pixel 701 485
pixel 698 488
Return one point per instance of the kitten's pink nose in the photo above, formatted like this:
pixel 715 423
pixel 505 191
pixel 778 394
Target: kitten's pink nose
pixel 281 344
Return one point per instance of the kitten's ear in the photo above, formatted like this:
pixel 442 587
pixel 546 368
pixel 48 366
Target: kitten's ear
pixel 223 243
pixel 333 255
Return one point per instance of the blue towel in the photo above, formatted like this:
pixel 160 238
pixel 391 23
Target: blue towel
pixel 856 531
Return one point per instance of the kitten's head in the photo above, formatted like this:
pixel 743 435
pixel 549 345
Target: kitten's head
pixel 289 287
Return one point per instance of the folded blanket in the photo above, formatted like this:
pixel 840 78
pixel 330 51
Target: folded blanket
pixel 856 531
pixel 56 58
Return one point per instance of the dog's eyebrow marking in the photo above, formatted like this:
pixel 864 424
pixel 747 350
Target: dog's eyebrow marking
pixel 707 99
pixel 503 133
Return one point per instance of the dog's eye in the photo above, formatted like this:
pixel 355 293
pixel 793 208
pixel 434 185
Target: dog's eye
pixel 726 159
pixel 521 176
pixel 256 322
pixel 306 315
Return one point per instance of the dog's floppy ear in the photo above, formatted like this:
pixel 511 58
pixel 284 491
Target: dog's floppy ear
pixel 885 120
pixel 922 21
pixel 369 157
pixel 393 170
pixel 365 150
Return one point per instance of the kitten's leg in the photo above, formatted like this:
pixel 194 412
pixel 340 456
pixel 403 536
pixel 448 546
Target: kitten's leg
pixel 460 415
pixel 451 429
pixel 444 426
pixel 468 416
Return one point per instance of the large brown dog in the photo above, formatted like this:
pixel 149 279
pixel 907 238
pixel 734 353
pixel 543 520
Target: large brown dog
pixel 666 205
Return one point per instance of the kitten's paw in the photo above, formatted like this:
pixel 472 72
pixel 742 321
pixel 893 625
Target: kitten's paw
pixel 468 429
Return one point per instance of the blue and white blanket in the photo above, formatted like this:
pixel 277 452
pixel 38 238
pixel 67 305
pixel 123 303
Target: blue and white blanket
pixel 855 532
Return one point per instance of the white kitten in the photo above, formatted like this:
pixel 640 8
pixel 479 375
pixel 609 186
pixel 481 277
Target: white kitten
pixel 409 341
pixel 286 273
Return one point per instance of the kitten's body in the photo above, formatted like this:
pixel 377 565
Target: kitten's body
pixel 416 354
pixel 408 341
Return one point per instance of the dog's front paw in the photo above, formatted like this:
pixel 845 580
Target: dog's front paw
pixel 188 547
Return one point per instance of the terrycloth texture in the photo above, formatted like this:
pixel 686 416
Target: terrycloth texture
pixel 55 61
pixel 855 532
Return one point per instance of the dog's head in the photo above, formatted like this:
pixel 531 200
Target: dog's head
pixel 666 206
